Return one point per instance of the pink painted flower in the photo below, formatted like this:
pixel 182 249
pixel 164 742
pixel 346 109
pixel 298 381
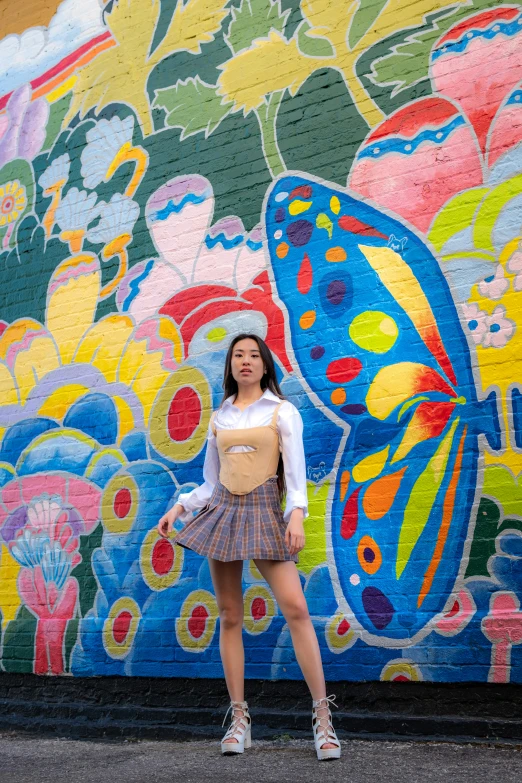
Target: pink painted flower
pixel 468 135
pixel 41 519
pixel 476 322
pixel 417 159
pixel 192 249
pixel 503 628
pixel 496 285
pixel 23 126
pixel 500 329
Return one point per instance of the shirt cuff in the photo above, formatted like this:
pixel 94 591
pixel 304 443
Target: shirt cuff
pixel 295 500
pixel 188 512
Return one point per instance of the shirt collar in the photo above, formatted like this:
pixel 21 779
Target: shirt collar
pixel 267 395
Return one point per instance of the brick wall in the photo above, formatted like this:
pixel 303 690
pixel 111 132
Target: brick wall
pixel 345 182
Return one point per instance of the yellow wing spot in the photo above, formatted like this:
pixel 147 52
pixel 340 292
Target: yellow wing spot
pixel 335 205
pixel 370 467
pixel 298 206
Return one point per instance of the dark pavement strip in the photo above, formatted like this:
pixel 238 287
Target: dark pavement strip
pixel 31 759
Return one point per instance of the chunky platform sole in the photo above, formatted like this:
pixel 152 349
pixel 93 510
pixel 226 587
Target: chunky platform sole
pixel 232 748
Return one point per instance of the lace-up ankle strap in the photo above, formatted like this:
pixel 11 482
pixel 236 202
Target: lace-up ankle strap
pixel 318 703
pixel 237 705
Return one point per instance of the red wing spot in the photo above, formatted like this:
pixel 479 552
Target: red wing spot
pixel 343 627
pixel 343 370
pixel 122 502
pixel 184 414
pixel 197 622
pixel 121 626
pixel 303 191
pixel 350 515
pixel 305 276
pixel 349 223
pixel 258 608
pixel 162 557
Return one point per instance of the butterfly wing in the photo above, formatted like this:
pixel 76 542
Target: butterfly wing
pixel 377 338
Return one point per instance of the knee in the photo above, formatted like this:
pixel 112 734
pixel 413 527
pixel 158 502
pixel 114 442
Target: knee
pixel 296 611
pixel 231 616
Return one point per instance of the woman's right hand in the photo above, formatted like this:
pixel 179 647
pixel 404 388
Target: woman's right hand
pixel 166 523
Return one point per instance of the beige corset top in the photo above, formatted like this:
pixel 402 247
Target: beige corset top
pixel 242 471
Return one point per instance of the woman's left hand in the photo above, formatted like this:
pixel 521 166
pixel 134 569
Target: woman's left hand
pixel 295 536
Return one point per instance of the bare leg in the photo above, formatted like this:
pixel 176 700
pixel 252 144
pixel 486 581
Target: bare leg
pixel 226 578
pixel 283 578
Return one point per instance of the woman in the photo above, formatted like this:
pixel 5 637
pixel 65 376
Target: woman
pixel 241 519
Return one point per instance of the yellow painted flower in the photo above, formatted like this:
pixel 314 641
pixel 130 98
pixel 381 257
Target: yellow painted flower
pixel 13 201
pixel 46 368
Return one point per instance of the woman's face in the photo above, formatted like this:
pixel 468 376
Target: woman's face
pixel 247 364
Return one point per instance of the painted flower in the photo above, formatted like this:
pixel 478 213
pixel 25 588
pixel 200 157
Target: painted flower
pixel 23 126
pixel 438 146
pixel 494 286
pixel 500 329
pixel 55 175
pixel 219 254
pixel 476 321
pixel 109 145
pixel 103 143
pixel 13 201
pixel 117 217
pixel 41 519
pixel 77 209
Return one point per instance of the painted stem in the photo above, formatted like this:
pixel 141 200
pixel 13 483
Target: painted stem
pixel 366 107
pixel 50 634
pixel 127 153
pixel 267 118
pixel 56 193
pixel 108 289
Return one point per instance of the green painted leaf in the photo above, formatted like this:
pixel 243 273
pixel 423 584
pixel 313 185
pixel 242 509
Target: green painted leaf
pixel 363 19
pixel 254 19
pixel 57 113
pixel 313 46
pixel 407 62
pixel 193 106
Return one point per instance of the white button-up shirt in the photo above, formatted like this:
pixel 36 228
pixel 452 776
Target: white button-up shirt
pixel 258 414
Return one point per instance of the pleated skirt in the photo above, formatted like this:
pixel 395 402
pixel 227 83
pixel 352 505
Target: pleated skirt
pixel 239 527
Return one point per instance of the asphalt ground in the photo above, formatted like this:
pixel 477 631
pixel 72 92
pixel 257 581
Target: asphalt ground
pixel 34 759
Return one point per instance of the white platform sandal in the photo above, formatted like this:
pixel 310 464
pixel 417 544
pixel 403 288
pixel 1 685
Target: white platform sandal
pixel 324 733
pixel 239 729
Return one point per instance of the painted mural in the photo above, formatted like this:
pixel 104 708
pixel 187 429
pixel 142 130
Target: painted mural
pixel 344 179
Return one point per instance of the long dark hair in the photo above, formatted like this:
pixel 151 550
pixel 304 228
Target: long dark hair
pixel 268 381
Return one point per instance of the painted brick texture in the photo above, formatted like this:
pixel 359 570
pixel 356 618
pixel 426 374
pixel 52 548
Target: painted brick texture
pixel 343 180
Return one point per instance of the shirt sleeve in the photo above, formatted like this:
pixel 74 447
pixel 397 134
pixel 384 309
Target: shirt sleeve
pixel 290 428
pixel 199 497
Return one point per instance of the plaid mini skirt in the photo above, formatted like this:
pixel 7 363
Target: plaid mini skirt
pixel 239 527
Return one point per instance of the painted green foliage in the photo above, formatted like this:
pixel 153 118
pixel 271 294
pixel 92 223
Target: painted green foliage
pixel 489 525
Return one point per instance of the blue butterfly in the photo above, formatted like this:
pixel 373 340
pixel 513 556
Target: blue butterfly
pixel 377 338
